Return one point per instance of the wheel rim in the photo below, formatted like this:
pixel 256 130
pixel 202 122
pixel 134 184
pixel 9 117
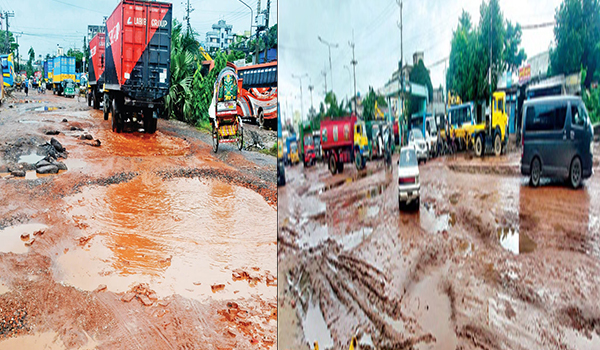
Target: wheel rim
pixel 240 138
pixel 576 173
pixel 478 146
pixel 332 165
pixel 498 145
pixel 535 172
pixel 215 139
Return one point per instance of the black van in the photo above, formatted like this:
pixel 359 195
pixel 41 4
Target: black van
pixel 556 139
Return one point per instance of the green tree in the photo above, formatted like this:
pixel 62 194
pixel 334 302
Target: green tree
pixel 577 39
pixel 369 104
pixel 513 56
pixel 11 40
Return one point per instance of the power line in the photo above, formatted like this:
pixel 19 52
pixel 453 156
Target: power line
pixel 538 25
pixel 79 7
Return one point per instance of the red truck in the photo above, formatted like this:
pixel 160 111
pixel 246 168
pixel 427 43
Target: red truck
pixel 137 62
pixel 344 140
pixel 96 72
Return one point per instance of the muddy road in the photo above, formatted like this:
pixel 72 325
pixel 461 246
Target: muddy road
pixel 485 263
pixel 131 241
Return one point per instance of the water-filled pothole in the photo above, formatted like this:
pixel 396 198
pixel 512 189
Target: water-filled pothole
pixel 315 327
pixel 181 236
pixel 435 223
pixel 514 241
pixel 17 239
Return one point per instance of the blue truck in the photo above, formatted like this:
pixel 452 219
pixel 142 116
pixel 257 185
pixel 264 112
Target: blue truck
pixel 63 69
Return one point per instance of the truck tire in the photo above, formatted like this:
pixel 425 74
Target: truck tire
pixel 215 139
pixel 261 119
pixel 479 145
pixel 96 100
pixel 117 123
pixel 497 145
pixel 332 164
pixel 149 122
pixel 106 106
pixel 89 100
pixel 340 167
pixel 240 137
pixel 358 160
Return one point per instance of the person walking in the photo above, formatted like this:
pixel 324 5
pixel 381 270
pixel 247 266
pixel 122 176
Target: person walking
pixel 26 83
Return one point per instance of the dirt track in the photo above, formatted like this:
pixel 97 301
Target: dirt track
pixel 485 263
pixel 145 242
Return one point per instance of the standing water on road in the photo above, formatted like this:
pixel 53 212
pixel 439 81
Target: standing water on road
pixel 181 236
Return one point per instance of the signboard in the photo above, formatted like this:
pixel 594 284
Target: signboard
pixel 524 74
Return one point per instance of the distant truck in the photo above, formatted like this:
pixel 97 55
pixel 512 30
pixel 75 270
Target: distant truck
pixel 317 143
pixel 291 150
pixel 8 70
pixel 307 144
pixel 137 62
pixel 63 68
pixel 96 72
pixel 344 140
pixel 491 134
pixel 48 67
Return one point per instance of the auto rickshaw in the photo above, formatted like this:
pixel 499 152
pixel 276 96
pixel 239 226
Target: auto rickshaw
pixel 68 88
pixel 226 122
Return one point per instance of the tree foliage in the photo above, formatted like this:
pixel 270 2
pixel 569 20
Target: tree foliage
pixel 469 62
pixel 372 99
pixel 577 39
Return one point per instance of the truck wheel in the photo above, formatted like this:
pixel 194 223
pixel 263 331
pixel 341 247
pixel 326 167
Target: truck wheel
pixel 89 100
pixel 536 172
pixel 332 165
pixel 117 124
pixel 261 119
pixel 215 139
pixel 240 138
pixel 340 167
pixel 497 145
pixel 358 160
pixel 575 173
pixel 106 106
pixel 96 100
pixel 479 146
pixel 149 122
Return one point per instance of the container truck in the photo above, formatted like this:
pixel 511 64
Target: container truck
pixel 48 66
pixel 344 140
pixel 307 145
pixel 137 62
pixel 96 72
pixel 280 165
pixel 63 69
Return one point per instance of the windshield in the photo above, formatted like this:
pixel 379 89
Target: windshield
pixel 408 158
pixel 308 141
pixel 317 141
pixel 294 147
pixel 416 134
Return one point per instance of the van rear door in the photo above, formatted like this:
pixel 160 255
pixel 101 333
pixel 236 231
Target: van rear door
pixel 577 135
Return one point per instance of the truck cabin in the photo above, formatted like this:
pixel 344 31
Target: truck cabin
pixel 431 127
pixel 461 114
pixel 308 140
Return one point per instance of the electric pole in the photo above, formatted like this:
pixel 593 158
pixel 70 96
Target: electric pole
pixel 17 63
pixel 258 28
pixel 324 73
pixel 491 40
pixel 188 9
pixel 299 77
pixel 267 27
pixel 401 95
pixel 329 45
pixel 311 88
pixel 354 62
pixel 6 16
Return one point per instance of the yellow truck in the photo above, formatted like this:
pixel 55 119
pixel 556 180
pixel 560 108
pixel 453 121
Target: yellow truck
pixel 491 135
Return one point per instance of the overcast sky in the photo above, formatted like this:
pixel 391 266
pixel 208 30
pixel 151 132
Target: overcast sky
pixel 46 23
pixel 428 26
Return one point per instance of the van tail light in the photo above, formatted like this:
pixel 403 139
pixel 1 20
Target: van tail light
pixel 407 180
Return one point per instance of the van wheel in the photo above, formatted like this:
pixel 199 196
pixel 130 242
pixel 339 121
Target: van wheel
pixel 575 172
pixel 497 145
pixel 536 172
pixel 340 167
pixel 332 165
pixel 479 146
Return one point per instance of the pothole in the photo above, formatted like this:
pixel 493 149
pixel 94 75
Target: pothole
pixel 514 241
pixel 17 239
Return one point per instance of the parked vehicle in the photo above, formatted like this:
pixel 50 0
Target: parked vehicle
pixel 280 161
pixel 460 119
pixel 344 140
pixel 137 62
pixel 227 126
pixel 8 70
pixel 556 140
pixel 419 143
pixel 307 145
pixel 63 69
pixel 291 151
pixel 492 133
pixel 431 133
pixel 409 186
pixel 68 88
pixel 96 72
pixel 258 95
pixel 317 142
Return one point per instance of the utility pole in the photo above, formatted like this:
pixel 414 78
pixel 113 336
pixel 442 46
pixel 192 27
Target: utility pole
pixel 299 77
pixel 330 45
pixel 251 18
pixel 188 9
pixel 258 28
pixel 17 36
pixel 311 88
pixel 401 95
pixel 267 26
pixel 491 29
pixel 354 62
pixel 6 16
pixel 324 73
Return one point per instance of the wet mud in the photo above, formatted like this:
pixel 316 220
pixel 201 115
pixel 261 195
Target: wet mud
pixel 484 262
pixel 145 242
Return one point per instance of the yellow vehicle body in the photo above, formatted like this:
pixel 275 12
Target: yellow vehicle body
pixel 360 136
pixel 499 122
pixel 279 149
pixel 294 158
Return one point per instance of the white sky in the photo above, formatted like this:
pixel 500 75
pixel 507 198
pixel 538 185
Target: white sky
pixel 46 23
pixel 428 26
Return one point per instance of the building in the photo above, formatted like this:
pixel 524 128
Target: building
pixel 93 30
pixel 220 37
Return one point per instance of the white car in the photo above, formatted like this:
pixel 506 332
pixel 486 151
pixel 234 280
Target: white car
pixel 418 142
pixel 409 186
pixel 432 136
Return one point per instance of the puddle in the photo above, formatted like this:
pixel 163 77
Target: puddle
pixel 73 164
pixel 315 327
pixel 355 238
pixel 360 175
pixel 29 121
pixel 11 237
pixel 140 144
pixel 515 242
pixel 368 212
pixel 30 158
pixel 180 236
pixel 433 223
pixel 312 235
pixel 3 288
pixel 42 341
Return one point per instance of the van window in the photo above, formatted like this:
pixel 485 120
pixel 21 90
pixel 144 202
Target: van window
pixel 545 118
pixel 561 116
pixel 577 118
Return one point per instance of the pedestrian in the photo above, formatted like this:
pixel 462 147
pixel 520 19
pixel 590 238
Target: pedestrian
pixel 26 83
